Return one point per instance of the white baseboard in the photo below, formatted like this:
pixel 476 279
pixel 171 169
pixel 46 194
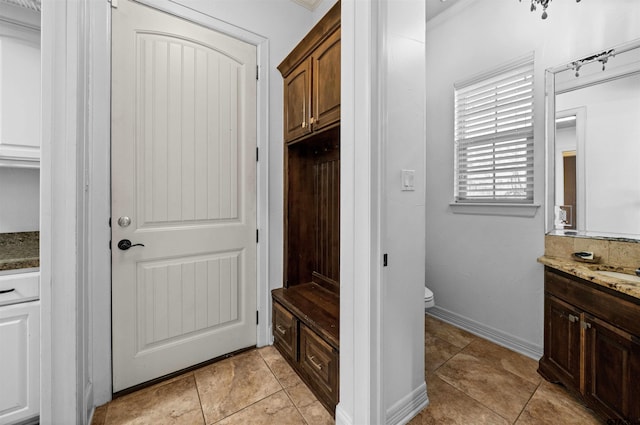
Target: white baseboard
pixel 408 407
pixel 508 341
pixel 342 418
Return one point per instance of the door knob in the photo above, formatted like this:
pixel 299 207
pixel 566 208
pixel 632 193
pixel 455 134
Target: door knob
pixel 124 221
pixel 125 244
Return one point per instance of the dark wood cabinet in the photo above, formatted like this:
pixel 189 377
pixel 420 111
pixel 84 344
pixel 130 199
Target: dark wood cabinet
pixel 285 332
pixel 319 363
pixel 306 331
pixel 612 370
pixel 306 311
pixel 311 75
pixel 562 339
pixel 591 344
pixel 326 83
pixel 297 102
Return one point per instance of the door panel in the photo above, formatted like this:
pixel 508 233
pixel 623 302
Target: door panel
pixel 611 376
pixel 184 172
pixel 562 338
pixel 187 162
pixel 326 81
pixel 297 103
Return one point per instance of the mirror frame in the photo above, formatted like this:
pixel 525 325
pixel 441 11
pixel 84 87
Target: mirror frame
pixel 551 91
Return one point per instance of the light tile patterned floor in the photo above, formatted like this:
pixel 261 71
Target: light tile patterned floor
pixel 469 381
pixel 255 387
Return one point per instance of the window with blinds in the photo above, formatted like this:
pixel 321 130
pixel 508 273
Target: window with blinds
pixel 494 136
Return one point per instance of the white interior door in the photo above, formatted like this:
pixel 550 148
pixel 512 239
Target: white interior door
pixel 184 187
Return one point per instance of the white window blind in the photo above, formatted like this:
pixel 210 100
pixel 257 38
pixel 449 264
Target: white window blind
pixel 494 136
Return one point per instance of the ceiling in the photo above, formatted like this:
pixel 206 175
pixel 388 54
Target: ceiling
pixel 434 7
pixel 309 4
pixel 29 4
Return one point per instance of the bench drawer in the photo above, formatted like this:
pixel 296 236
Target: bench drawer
pixel 285 331
pixel 319 362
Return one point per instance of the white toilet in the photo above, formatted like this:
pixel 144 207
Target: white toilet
pixel 428 298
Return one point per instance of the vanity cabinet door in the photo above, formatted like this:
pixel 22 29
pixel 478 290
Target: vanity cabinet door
pixel 297 102
pixel 612 370
pixel 562 340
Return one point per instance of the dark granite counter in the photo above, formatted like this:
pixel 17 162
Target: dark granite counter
pixel 19 250
pixel 590 272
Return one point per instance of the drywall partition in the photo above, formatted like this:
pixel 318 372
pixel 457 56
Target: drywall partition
pixel 382 133
pixel 482 268
pixel 402 129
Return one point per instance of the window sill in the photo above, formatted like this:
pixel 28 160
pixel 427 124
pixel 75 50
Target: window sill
pixel 513 210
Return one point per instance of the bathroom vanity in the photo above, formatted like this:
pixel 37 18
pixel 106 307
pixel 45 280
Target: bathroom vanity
pixel 592 334
pixel 592 245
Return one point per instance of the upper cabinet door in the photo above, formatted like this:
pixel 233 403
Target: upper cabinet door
pixel 326 82
pixel 20 101
pixel 297 102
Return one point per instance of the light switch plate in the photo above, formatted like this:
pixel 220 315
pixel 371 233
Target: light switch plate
pixel 408 180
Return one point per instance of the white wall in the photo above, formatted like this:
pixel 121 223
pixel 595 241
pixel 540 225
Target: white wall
pixel 19 199
pixel 403 148
pixel 481 268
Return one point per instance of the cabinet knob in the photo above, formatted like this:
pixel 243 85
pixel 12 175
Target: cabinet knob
pixel 586 325
pixel 573 318
pixel 304 124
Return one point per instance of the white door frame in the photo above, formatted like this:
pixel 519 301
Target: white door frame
pixel 75 202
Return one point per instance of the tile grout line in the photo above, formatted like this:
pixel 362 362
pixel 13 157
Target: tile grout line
pixel 528 401
pixel 285 390
pixel 296 407
pixel 195 381
pixel 478 401
pixel 248 405
pixel 473 398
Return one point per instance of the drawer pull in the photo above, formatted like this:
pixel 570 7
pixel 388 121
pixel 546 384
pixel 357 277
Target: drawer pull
pixel 573 318
pixel 586 325
pixel 313 362
pixel 6 291
pixel 280 329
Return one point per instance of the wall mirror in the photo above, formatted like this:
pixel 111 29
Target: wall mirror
pixel 593 145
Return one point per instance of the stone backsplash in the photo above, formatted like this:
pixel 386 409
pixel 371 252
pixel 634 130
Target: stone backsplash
pixel 610 252
pixel 19 250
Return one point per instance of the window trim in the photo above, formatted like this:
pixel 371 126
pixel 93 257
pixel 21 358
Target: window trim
pixel 494 208
pixel 516 207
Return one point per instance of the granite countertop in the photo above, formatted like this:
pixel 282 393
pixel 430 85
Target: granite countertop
pixel 19 250
pixel 587 271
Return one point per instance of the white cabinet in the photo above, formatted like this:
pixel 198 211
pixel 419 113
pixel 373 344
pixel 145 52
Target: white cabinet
pixel 19 362
pixel 20 98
